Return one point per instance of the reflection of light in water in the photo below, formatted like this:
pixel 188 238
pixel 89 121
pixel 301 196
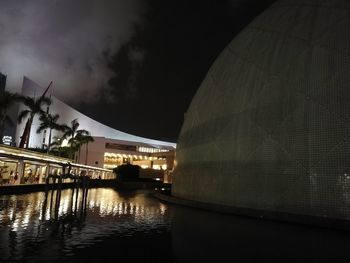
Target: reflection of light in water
pixel 107 213
pixel 63 209
pixel 162 208
pixel 108 204
pixel 115 210
pixel 103 209
pixel 26 218
pixel 12 213
pixel 41 211
pixel 15 225
pixel 120 211
pixel 132 207
pixel 109 209
pixel 125 209
pixel 47 216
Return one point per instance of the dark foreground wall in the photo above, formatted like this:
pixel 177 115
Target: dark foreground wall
pixel 269 128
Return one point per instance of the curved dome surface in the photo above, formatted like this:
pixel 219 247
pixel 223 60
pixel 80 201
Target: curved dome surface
pixel 269 127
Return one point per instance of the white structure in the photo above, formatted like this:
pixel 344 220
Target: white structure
pixel 128 146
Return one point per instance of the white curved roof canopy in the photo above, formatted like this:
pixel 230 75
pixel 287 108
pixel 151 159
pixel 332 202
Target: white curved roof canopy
pixel 67 114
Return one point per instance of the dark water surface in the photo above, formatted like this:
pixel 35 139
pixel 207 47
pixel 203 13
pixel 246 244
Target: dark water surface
pixel 134 227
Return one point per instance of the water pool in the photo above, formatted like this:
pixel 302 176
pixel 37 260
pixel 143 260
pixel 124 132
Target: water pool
pixel 133 226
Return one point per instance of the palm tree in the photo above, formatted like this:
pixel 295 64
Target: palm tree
pixel 7 99
pixel 49 121
pixel 73 133
pixel 57 148
pixel 34 107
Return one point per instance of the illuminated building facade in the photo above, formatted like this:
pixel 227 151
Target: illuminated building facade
pixel 112 152
pixel 21 166
pixel 110 148
pixel 268 128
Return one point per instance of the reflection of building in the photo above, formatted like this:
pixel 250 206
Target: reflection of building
pixel 110 148
pixel 269 127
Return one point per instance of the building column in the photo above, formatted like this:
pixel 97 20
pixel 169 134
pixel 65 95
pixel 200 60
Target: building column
pixel 20 170
pixel 41 174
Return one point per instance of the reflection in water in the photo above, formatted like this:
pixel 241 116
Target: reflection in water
pixel 34 229
pixel 116 226
pixel 53 207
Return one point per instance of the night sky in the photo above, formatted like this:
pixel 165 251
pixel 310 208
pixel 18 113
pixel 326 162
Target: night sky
pixel 133 65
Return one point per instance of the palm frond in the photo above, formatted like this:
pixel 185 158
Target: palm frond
pixel 28 101
pixel 75 125
pixel 43 118
pixel 58 127
pixel 66 131
pixel 83 139
pixel 54 118
pixel 41 127
pixel 23 114
pixel 83 132
pixel 44 101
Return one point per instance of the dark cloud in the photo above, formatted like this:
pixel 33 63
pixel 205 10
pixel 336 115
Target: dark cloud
pixel 136 56
pixel 153 58
pixel 160 69
pixel 236 3
pixel 68 42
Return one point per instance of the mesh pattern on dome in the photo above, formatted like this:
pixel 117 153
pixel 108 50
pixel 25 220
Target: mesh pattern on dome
pixel 269 127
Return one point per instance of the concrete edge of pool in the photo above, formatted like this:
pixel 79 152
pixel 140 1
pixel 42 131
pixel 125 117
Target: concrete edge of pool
pixel 323 222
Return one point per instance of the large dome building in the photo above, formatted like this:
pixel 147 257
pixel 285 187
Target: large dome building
pixel 269 127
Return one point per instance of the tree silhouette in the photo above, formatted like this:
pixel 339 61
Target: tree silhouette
pixel 49 121
pixel 57 148
pixel 74 133
pixel 34 107
pixel 72 130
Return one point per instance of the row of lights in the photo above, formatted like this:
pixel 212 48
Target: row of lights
pixel 151 150
pixel 118 155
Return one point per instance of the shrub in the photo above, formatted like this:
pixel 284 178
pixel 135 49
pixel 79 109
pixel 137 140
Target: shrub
pixel 127 172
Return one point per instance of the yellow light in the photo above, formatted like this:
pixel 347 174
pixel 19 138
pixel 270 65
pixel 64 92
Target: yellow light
pixel 40 158
pixel 156 167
